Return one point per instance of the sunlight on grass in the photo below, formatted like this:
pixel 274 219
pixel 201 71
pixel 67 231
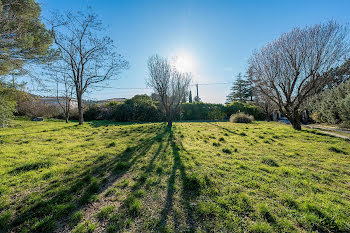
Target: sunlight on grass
pixel 205 176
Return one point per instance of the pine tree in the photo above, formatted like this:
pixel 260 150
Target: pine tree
pixel 23 37
pixel 240 91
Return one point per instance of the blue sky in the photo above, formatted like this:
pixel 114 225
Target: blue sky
pixel 215 37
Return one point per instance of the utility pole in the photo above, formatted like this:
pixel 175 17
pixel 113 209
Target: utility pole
pixel 197 92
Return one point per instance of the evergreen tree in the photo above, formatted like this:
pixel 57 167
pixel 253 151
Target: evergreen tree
pixel 23 37
pixel 241 90
pixel 190 97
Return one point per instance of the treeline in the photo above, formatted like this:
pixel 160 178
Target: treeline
pixel 141 108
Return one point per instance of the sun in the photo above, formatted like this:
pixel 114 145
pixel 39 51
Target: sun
pixel 184 62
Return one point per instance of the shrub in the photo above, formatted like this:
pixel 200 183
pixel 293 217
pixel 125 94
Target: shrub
pixel 241 118
pixel 201 111
pixel 332 105
pixel 93 112
pixel 7 104
pixel 316 116
pixel 6 111
pixel 237 107
pixel 139 108
pixel 32 107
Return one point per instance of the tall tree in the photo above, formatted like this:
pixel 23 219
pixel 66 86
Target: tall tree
pixel 23 37
pixel 190 97
pixel 289 70
pixel 240 91
pixel 89 57
pixel 171 85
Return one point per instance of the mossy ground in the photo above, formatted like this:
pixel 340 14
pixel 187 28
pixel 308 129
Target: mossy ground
pixel 199 176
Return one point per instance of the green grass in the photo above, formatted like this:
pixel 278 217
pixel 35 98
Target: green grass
pixel 199 176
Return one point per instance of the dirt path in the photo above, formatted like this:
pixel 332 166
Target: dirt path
pixel 330 131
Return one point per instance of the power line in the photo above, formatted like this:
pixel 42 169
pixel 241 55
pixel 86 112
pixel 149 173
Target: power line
pixel 146 88
pixel 211 84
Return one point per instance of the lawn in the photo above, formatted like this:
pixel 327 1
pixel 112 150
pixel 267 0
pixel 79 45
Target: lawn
pixel 199 176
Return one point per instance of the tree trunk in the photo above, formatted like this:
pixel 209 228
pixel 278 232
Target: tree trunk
pixel 296 124
pixel 268 114
pixel 80 109
pixel 169 119
pixel 67 117
pixel 67 113
pixel 294 119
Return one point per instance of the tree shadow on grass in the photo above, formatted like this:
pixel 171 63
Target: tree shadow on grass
pixel 220 127
pixel 187 192
pixel 128 209
pixel 41 212
pixel 101 123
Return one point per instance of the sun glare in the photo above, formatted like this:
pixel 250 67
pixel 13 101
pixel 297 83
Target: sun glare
pixel 184 62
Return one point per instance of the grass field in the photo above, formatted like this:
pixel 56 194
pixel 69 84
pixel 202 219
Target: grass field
pixel 199 176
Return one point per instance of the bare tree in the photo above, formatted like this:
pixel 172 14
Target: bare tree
pixel 90 57
pixel 169 84
pixel 289 70
pixel 64 97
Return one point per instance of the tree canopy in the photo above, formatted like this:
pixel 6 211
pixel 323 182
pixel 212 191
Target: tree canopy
pixel 169 84
pixel 23 36
pixel 289 70
pixel 87 56
pixel 240 91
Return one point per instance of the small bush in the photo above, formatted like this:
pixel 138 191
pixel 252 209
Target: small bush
pixel 241 118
